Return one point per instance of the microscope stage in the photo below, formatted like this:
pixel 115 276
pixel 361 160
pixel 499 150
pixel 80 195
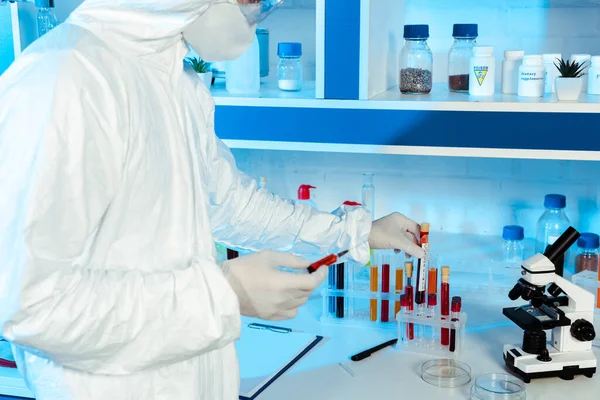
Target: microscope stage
pixel 563 365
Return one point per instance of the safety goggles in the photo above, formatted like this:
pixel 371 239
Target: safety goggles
pixel 257 10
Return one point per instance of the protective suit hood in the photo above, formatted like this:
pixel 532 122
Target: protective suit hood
pixel 149 26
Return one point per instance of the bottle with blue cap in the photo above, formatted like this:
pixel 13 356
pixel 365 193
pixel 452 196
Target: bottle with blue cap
pixel 513 247
pixel 289 70
pixel 587 253
pixel 459 57
pixel 552 223
pixel 416 61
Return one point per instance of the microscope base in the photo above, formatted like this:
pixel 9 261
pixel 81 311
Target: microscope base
pixel 563 365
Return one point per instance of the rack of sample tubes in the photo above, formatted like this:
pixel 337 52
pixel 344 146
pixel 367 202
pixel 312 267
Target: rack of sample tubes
pixel 431 326
pixel 351 299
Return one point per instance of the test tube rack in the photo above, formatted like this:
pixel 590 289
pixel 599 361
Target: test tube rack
pixel 350 299
pixel 418 333
pixel 354 307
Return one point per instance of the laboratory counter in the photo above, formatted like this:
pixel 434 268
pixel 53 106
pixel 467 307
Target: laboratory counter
pixel 327 373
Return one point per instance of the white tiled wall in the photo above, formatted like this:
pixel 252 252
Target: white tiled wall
pixel 536 26
pixel 457 195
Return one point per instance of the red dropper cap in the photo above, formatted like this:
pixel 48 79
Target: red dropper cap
pixel 456 304
pixel 432 299
pixel 304 192
pixel 404 300
pixel 352 203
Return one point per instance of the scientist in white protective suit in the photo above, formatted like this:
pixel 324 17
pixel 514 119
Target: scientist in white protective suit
pixel 113 189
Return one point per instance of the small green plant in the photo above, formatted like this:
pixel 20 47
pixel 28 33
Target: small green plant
pixel 199 66
pixel 569 69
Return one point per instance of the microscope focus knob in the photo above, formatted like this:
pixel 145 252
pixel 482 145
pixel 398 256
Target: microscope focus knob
pixel 583 330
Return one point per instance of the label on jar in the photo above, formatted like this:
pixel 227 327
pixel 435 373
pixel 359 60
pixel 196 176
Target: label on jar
pixel 480 72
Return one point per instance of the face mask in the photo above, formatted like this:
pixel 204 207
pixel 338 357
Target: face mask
pixel 222 33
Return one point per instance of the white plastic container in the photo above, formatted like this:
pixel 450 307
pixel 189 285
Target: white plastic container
pixel 482 74
pixel 551 71
pixel 510 71
pixel 531 77
pixel 594 76
pixel 242 76
pixel 583 58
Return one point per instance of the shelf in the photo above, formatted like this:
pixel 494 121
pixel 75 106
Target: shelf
pixel 269 94
pixel 441 99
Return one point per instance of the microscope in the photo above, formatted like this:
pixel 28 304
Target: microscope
pixel 566 309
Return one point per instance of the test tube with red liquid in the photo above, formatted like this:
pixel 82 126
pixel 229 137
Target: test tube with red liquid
pixel 445 304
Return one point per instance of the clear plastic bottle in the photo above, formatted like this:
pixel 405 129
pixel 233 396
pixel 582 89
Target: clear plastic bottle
pixel 289 70
pixel 416 61
pixel 513 247
pixel 587 253
pixel 46 20
pixel 242 75
pixel 368 193
pixel 552 223
pixel 459 57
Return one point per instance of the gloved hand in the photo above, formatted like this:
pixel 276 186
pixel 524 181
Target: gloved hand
pixel 398 232
pixel 266 292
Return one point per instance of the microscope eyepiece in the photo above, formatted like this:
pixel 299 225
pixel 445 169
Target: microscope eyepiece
pixel 515 292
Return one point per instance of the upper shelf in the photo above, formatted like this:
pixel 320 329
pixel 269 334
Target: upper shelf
pixel 442 99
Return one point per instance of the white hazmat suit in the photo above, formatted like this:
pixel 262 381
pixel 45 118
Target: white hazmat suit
pixel 113 189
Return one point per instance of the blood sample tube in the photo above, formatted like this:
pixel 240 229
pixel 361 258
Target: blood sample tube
pixel 431 305
pixel 409 308
pixel 385 288
pixel 399 287
pixel 432 281
pixel 456 305
pixel 445 307
pixel 421 286
pixel 408 266
pixel 340 285
pixel 404 326
pixel 374 287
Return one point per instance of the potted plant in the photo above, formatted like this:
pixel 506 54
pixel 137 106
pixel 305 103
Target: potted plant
pixel 569 83
pixel 202 69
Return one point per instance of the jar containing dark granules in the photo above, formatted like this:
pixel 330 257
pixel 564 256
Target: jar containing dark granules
pixel 416 61
pixel 587 253
pixel 460 54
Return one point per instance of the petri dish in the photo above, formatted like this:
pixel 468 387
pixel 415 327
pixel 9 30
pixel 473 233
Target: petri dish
pixel 498 387
pixel 446 373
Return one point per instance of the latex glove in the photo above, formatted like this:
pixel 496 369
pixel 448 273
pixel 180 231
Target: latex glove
pixel 398 232
pixel 266 292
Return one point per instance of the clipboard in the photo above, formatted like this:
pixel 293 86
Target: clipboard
pixel 266 352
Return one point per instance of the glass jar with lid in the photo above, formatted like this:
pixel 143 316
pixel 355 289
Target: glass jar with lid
pixel 416 61
pixel 465 36
pixel 289 70
pixel 587 253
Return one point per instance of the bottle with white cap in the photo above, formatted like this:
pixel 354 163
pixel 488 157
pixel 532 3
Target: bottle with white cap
pixel 482 72
pixel 594 76
pixel 531 77
pixel 510 70
pixel 550 61
pixel 583 58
